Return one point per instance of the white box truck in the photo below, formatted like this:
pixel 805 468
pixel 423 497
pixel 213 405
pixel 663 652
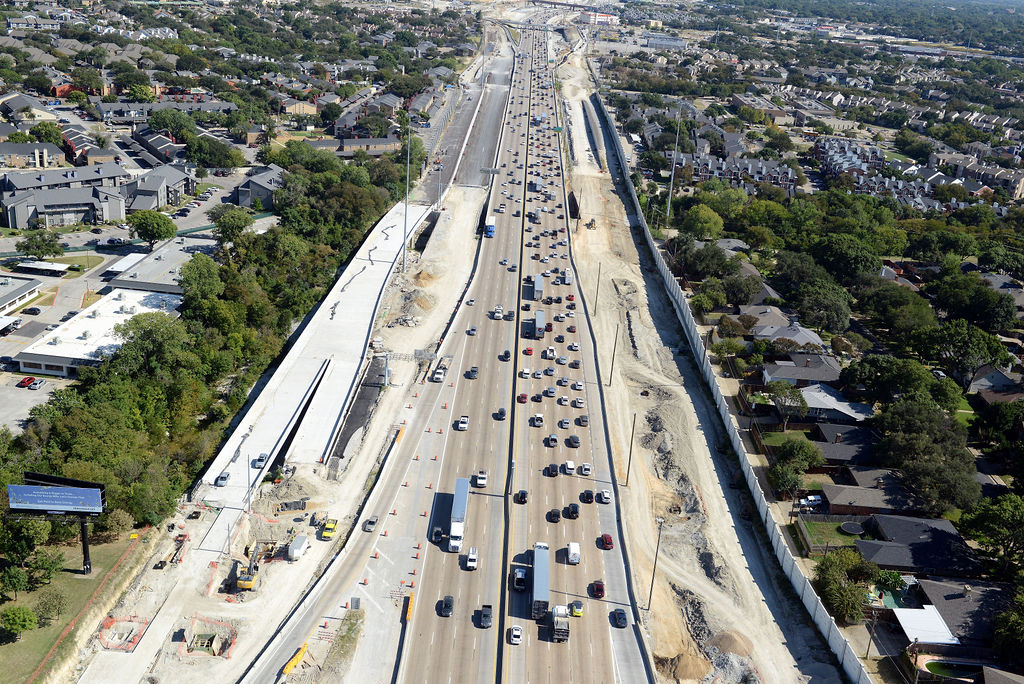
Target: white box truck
pixel 573 551
pixel 298 546
pixel 457 527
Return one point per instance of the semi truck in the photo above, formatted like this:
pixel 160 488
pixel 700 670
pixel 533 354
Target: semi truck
pixel 538 320
pixel 541 590
pixel 567 277
pixel 457 528
pixel 559 624
pixel 489 227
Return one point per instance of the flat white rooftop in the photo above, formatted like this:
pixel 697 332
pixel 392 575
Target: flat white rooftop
pixel 89 336
pixel 13 287
pixel 159 270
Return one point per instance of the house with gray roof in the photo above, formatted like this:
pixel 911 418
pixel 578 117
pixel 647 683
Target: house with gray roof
pixel 101 175
pixel 159 187
pixel 260 186
pixel 63 207
pixel 793 331
pixel 929 546
pixel 825 403
pixel 802 370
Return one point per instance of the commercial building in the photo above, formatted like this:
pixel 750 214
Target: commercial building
pixel 160 270
pixel 15 292
pixel 89 337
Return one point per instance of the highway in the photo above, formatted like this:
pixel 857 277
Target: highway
pixel 515 454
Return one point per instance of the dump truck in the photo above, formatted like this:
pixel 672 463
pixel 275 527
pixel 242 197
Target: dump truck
pixel 559 624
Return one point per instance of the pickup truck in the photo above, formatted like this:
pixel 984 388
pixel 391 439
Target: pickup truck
pixel 481 478
pixel 463 423
pixel 485 615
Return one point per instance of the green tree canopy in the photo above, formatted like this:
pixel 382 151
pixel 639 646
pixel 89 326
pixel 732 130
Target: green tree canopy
pixel 998 527
pixel 40 244
pixel 48 132
pixel 151 226
pixel 789 400
pixel 962 348
pixel 18 619
pixel 702 222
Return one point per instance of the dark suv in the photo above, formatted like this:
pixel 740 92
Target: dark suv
pixel 446 606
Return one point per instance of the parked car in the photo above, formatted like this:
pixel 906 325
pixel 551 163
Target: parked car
pixel 25 382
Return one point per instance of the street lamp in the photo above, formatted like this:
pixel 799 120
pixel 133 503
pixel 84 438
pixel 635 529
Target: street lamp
pixel 654 572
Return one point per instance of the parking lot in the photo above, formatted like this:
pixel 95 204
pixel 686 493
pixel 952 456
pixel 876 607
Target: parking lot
pixel 16 402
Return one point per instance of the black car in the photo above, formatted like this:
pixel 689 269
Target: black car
pixel 505 355
pixel 32 311
pixel 446 606
pixel 473 373
pixel 526 306
pixel 572 511
pixel 553 470
pixel 619 615
pixel 554 515
pixel 574 441
pixel 522 496
pixel 435 535
pixel 587 496
pixel 502 413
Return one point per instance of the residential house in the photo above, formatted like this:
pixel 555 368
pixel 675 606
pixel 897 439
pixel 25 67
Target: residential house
pixel 294 107
pixel 802 370
pixel 994 379
pixel 372 146
pixel 260 186
pixel 765 315
pixel 825 403
pixel 928 546
pixel 792 331
pixel 386 104
pixel 63 207
pixel 959 617
pixel 159 145
pixel 20 107
pixel 33 155
pixel 159 187
pixel 845 445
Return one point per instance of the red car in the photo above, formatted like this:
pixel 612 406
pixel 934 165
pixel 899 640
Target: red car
pixel 522 398
pixel 528 351
pixel 571 298
pixel 606 542
pixel 598 589
pixel 25 382
pixel 571 328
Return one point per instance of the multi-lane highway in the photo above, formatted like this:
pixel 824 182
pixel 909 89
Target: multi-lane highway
pixel 516 372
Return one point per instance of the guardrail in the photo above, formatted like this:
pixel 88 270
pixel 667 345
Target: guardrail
pixel 825 624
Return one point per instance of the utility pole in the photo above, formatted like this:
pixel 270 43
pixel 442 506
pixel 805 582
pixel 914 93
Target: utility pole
pixel 672 175
pixel 597 290
pixel 629 463
pixel 871 634
pixel 615 346
pixel 657 550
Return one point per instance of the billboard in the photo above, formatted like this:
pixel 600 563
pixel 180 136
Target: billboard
pixel 55 500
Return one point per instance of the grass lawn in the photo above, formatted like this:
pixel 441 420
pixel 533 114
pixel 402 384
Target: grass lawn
pixel 822 533
pixel 776 439
pixel 203 187
pixel 889 156
pixel 87 262
pixel 21 658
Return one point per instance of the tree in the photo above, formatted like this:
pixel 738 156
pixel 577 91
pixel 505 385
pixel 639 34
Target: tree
pixel 47 132
pixel 330 113
pixel 51 603
pixel 200 283
pixel 119 520
pixel 180 125
pixel 824 305
pixel 739 290
pixel 13 579
pixel 789 400
pixel 841 578
pixel 20 137
pixel 730 346
pixel 998 527
pixel 962 348
pixel 40 244
pixel 846 257
pixel 18 619
pixel 1010 628
pixel 230 225
pixel 702 222
pixel 43 565
pixel 786 479
pixel 38 81
pixel 151 226
pixel 903 312
pixel 930 449
pixel 800 453
pixel 967 296
pixel 86 79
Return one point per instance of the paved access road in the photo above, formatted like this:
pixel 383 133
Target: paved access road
pixel 458 648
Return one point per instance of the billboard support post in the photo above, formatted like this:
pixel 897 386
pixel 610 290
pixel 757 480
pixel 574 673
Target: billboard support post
pixel 86 560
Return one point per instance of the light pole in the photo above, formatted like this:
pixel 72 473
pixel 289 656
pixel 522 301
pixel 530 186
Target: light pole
pixel 657 550
pixel 405 218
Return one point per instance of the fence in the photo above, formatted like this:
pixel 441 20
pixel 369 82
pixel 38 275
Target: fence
pixel 807 538
pixel 848 660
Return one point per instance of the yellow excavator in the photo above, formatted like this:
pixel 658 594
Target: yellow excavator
pixel 247 578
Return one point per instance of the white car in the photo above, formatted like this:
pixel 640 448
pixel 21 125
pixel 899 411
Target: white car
pixel 573 346
pixel 463 423
pixel 563 401
pixel 470 302
pixel 515 635
pixel 578 385
pixel 604 496
pixel 578 402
